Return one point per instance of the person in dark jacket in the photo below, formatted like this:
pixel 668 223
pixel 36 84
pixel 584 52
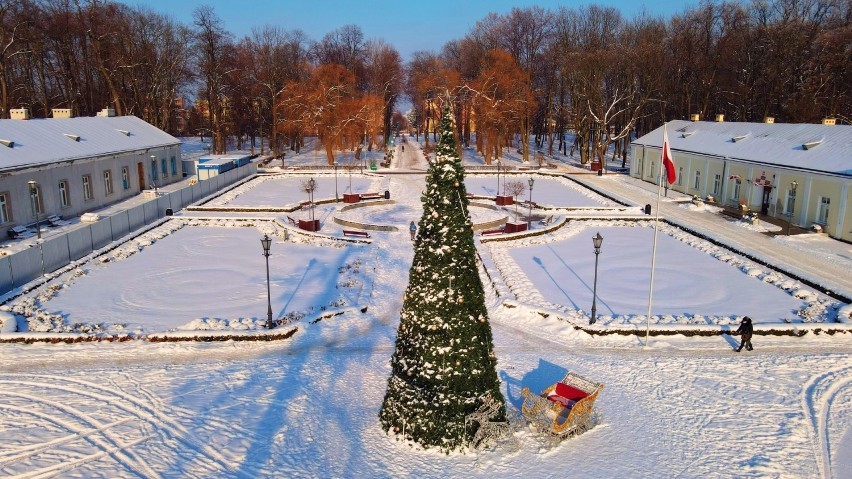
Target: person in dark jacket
pixel 745 331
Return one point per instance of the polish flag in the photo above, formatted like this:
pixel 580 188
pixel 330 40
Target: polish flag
pixel 671 176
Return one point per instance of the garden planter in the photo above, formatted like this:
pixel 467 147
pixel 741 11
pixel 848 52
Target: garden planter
pixel 515 227
pixel 351 198
pixel 504 200
pixel 309 225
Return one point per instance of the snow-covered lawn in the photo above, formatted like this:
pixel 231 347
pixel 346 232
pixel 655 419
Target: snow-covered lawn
pixel 696 283
pixel 279 191
pixel 552 192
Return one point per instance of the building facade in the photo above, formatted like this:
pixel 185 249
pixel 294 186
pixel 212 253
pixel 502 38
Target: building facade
pixel 797 172
pixel 67 166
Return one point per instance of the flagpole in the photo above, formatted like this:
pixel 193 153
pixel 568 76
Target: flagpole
pixel 654 250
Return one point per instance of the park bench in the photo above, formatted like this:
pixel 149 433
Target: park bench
pixel 371 196
pixel 292 221
pixel 304 205
pixel 498 231
pixel 56 220
pixel 362 234
pixel 20 232
pixel 547 220
pixel 563 409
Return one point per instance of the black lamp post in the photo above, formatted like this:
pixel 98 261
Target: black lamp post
pixel 154 174
pixel 498 178
pixel 266 242
pixel 312 184
pixel 529 215
pixel 793 186
pixel 597 240
pixel 34 203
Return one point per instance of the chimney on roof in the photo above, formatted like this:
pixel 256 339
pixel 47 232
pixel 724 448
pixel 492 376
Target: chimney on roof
pixel 829 121
pixel 20 113
pixel 720 117
pixel 63 113
pixel 107 112
pixel 768 119
pixel 694 117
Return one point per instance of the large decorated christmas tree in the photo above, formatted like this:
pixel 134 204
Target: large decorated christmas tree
pixel 444 364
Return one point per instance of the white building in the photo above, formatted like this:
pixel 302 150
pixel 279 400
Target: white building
pixel 66 166
pixel 772 168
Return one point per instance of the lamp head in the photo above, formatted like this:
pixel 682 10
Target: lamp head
pixel 266 242
pixel 531 182
pixel 597 240
pixel 794 185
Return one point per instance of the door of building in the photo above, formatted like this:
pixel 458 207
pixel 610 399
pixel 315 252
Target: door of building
pixel 764 205
pixel 140 170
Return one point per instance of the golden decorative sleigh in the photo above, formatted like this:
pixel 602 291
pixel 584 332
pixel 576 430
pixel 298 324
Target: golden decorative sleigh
pixel 563 409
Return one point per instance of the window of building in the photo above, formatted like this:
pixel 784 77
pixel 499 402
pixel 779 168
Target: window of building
pixel 651 170
pixel 697 184
pixel 154 170
pixel 5 215
pixel 164 168
pixel 108 182
pixel 125 178
pixel 35 200
pixel 822 211
pixel 735 192
pixel 87 188
pixel 680 176
pixel 791 198
pixel 64 194
pixel 174 166
pixel 717 183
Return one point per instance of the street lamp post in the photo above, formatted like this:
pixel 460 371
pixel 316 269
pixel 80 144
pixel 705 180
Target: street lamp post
pixel 336 198
pixel 529 215
pixel 498 178
pixel 266 242
pixel 793 186
pixel 154 174
pixel 34 204
pixel 597 240
pixel 312 184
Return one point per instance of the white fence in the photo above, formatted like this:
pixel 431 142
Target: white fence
pixel 26 265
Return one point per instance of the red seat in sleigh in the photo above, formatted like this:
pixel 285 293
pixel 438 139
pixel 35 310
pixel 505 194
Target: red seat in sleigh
pixel 563 409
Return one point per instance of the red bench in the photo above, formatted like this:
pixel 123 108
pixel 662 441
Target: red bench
pixel 292 221
pixel 492 232
pixel 362 234
pixel 371 196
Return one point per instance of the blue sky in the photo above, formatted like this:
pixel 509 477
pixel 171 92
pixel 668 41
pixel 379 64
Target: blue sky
pixel 409 26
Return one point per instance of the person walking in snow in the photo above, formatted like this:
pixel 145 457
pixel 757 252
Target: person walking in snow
pixel 412 228
pixel 745 331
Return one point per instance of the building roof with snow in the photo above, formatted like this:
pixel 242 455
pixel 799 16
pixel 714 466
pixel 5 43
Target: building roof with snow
pixel 819 148
pixel 36 142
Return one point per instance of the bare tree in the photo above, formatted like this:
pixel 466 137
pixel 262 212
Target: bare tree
pixel 211 45
pixel 515 188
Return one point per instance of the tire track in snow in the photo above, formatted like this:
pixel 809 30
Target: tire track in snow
pixel 110 444
pixel 26 452
pixel 818 396
pixel 139 408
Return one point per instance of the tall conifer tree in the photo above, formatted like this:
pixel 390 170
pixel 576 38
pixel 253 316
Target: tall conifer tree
pixel 444 362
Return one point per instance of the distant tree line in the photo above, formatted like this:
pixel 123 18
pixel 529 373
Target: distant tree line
pixel 521 80
pixel 531 75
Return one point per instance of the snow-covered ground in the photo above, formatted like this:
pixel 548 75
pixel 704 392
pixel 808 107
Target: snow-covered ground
pixel 678 406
